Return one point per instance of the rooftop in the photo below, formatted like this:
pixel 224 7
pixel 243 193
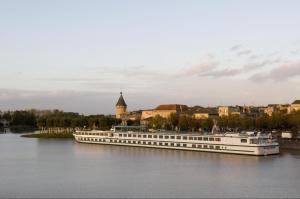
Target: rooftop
pixel 121 101
pixel 176 107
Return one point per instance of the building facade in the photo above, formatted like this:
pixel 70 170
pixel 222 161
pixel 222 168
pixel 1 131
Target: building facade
pixel 295 106
pixel 121 107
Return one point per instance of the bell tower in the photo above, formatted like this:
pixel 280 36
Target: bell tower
pixel 120 106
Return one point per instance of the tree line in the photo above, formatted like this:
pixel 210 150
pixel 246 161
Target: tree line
pixel 278 121
pixel 57 118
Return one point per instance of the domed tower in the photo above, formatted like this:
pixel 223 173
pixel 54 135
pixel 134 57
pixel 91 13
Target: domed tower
pixel 120 106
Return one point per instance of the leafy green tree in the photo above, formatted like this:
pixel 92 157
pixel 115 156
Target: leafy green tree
pixel 173 120
pixel 158 122
pixel 183 123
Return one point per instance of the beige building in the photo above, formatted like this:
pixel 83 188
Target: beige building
pixel 269 110
pixel 121 112
pixel 200 116
pixel 204 113
pixel 295 106
pixel 228 110
pixel 121 107
pixel 146 114
pixel 164 110
pixel 277 108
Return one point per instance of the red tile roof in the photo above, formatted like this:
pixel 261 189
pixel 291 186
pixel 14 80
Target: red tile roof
pixel 176 107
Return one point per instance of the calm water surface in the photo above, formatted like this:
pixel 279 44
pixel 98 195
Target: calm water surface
pixel 63 168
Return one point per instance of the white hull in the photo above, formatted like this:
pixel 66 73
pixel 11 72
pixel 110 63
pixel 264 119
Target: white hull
pixel 193 145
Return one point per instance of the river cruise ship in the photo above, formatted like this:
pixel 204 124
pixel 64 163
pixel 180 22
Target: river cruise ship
pixel 248 143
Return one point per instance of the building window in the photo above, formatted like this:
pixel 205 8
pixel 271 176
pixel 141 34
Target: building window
pixel 160 137
pixel 199 146
pixel 124 135
pixel 149 143
pixel 129 135
pixel 149 136
pixel 154 136
pixel 144 143
pixel 160 143
pixel 134 136
pixel 172 144
pixel 254 141
pixel 154 143
pixel 184 138
pixel 211 147
pixel 178 137
pixel 205 146
pixel 139 136
pixel 218 147
pixel 243 140
pixel 199 138
pixel 191 138
pixel 120 135
pixel 211 139
pixel 205 138
pixel 184 145
pixel 193 145
pixel 166 137
pixel 218 139
pixel 178 144
pixel 144 136
pixel 172 137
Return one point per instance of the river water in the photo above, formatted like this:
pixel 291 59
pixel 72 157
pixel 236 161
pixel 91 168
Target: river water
pixel 38 168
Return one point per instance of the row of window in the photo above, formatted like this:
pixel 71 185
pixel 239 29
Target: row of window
pixel 153 143
pixel 178 137
pixel 99 134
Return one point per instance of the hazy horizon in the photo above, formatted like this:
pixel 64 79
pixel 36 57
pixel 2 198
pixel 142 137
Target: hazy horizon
pixel 78 55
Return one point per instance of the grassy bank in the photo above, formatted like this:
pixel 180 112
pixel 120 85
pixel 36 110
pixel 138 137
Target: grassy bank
pixel 48 135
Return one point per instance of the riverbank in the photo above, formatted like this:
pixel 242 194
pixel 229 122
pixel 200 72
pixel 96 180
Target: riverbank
pixel 51 133
pixel 66 135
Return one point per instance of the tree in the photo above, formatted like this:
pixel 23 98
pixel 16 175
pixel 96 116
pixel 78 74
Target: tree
pixel 183 123
pixel 158 122
pixel 173 120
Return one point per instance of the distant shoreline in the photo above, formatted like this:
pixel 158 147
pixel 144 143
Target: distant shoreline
pixel 48 135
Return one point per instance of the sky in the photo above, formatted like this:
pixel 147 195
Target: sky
pixel 78 55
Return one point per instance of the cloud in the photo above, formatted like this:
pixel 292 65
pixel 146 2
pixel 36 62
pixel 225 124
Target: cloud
pixel 294 52
pixel 197 69
pixel 252 57
pixel 257 65
pixel 244 52
pixel 68 100
pixel 236 47
pixel 280 73
pixel 222 73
